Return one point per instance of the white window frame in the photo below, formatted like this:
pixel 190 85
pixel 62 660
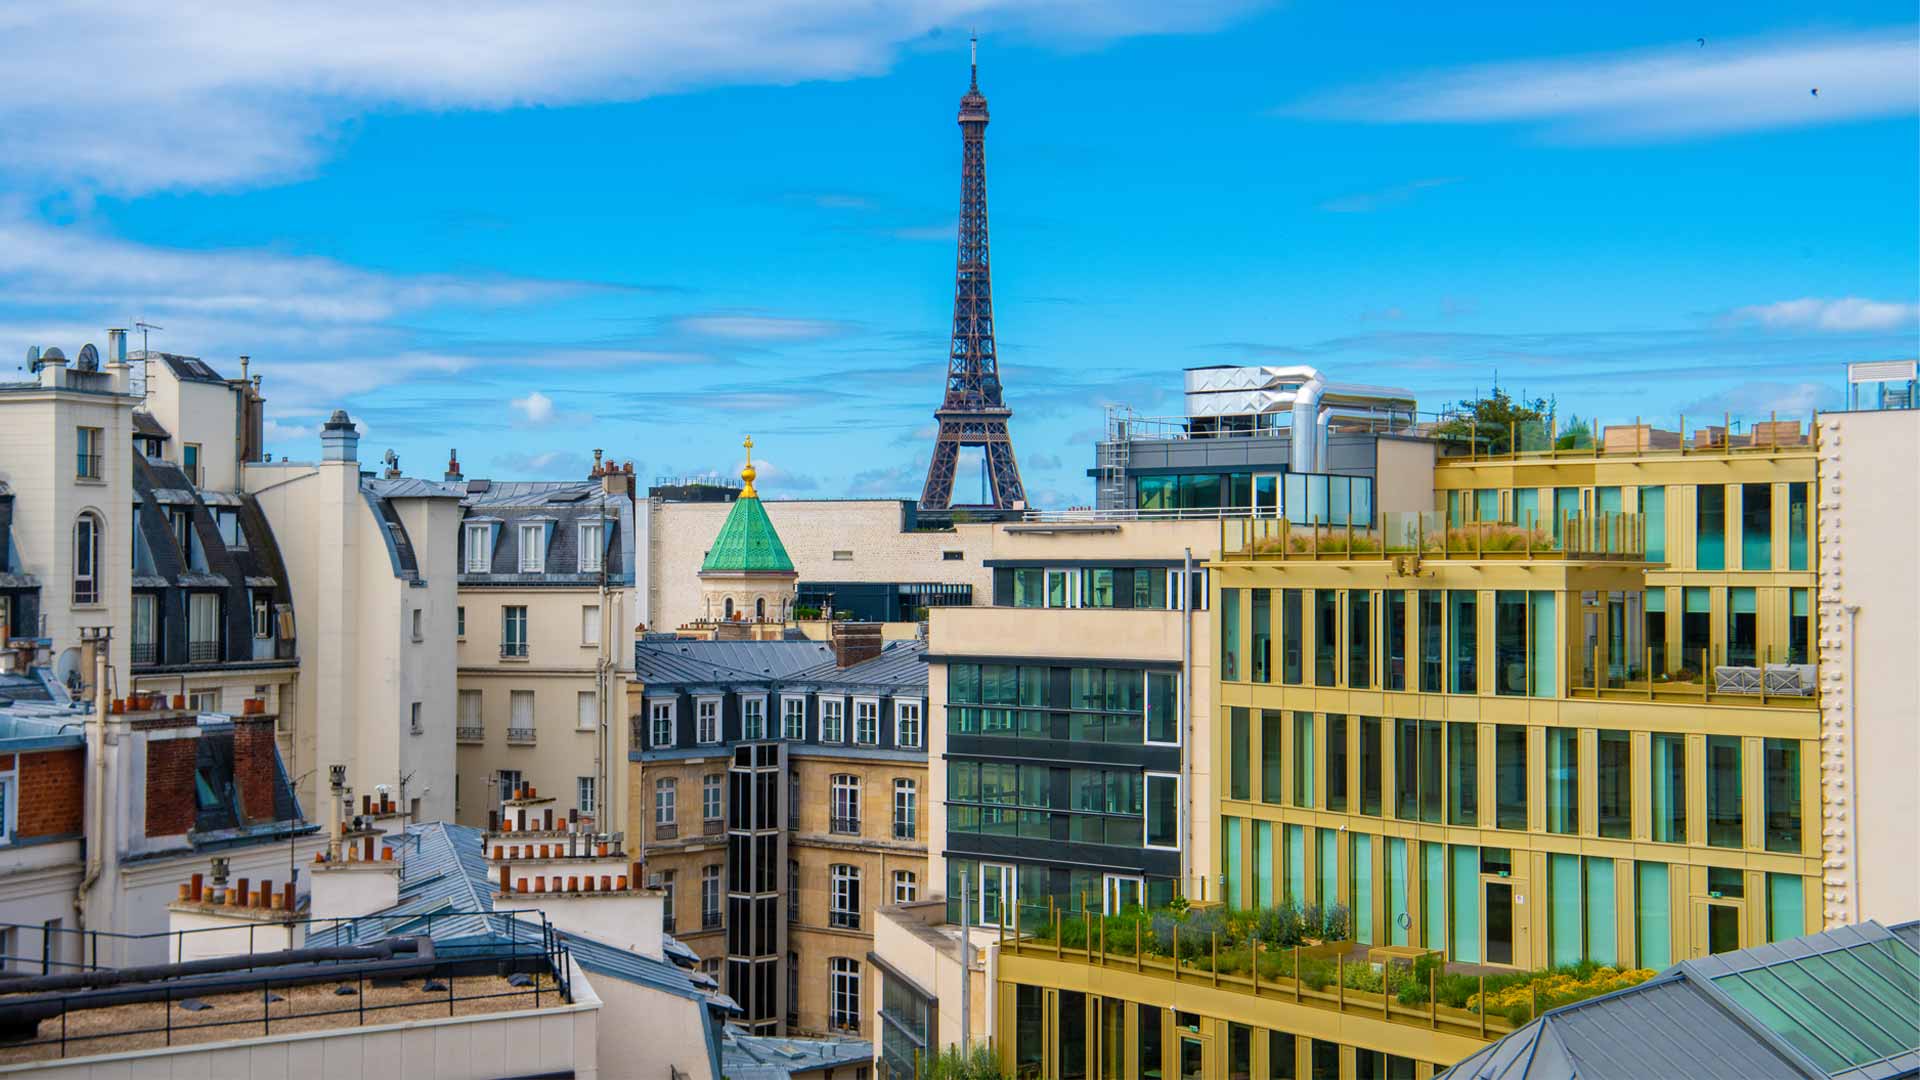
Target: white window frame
pixel 706 711
pixel 526 632
pixel 533 556
pixel 1109 886
pixel 479 549
pixel 532 717
pixel 460 623
pixel 843 993
pixel 909 711
pixel 753 716
pixel 793 717
pixel 866 717
pixel 592 551
pixel 586 794
pixel 845 800
pixel 587 706
pixel 713 789
pixel 709 895
pixel 1072 590
pixel 1146 691
pixel 1146 810
pixel 666 800
pixel 86 572
pixel 9 798
pixel 505 781
pixel 590 627
pixel 906 887
pixel 910 790
pixel 833 718
pixel 843 892
pixel 663 710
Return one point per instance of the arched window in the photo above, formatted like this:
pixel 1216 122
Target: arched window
pixel 86 560
pixel 760 608
pixel 728 611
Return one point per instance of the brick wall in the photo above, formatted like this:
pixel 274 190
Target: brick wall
pixel 253 771
pixel 51 793
pixel 171 800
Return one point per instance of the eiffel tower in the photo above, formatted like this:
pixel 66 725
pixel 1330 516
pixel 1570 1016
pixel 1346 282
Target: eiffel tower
pixel 973 413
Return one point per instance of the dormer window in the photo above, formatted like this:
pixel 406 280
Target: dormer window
pixel 533 549
pixel 593 545
pixel 479 549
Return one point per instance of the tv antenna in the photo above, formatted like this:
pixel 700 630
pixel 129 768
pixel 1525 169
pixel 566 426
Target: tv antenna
pixel 146 356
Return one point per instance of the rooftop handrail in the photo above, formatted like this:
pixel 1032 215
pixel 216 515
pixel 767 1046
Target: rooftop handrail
pixel 1426 534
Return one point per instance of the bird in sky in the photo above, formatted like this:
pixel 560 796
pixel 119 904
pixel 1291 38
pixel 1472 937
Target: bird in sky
pixel 1702 41
pixel 1815 91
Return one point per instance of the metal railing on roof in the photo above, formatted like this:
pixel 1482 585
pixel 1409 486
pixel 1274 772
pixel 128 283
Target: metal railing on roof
pixel 1425 534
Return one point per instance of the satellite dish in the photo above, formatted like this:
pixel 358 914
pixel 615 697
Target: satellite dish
pixel 1405 920
pixel 89 359
pixel 66 666
pixel 53 353
pixel 33 356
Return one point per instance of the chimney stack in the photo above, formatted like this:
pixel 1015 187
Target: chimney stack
pixel 339 439
pixel 453 466
pixel 855 643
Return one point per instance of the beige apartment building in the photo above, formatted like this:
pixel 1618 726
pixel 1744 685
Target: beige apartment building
pixel 545 642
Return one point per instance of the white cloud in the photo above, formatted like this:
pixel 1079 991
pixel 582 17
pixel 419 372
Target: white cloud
pixel 1661 93
pixel 761 328
pixel 1366 202
pixel 1844 316
pixel 232 93
pixel 1753 401
pixel 536 407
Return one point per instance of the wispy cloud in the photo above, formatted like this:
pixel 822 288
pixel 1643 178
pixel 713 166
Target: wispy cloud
pixel 761 328
pixel 1846 315
pixel 1366 202
pixel 536 407
pixel 946 230
pixel 1659 93
pixel 232 93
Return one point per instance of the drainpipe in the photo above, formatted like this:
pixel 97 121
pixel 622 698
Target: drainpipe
pixel 1186 718
pixel 97 838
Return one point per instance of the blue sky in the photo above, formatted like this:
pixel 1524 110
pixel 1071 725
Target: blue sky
pixel 526 235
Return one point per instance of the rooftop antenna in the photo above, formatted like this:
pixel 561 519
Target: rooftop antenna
pixel 973 48
pixel 146 356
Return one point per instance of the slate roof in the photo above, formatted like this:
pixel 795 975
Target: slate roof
pixel 445 894
pixel 1840 1004
pixel 766 1057
pixel 145 424
pixel 747 542
pixel 562 505
pixel 901 665
pixel 184 368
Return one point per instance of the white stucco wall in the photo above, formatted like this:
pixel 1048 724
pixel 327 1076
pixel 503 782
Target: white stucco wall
pixel 1869 637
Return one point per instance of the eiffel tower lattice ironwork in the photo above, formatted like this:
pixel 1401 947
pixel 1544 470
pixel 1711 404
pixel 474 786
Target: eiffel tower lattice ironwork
pixel 973 414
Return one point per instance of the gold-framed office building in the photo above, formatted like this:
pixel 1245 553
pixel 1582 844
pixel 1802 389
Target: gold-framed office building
pixel 1570 714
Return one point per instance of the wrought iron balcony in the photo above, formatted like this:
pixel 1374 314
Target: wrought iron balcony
pixel 845 826
pixel 203 652
pixel 520 735
pixel 904 829
pixel 709 920
pixel 668 830
pixel 513 650
pixel 843 920
pixel 712 827
pixel 87 466
pixel 466 733
pixel 146 652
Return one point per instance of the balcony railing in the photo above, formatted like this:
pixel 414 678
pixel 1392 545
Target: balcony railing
pixel 203 652
pixel 1421 535
pixel 712 827
pixel 470 733
pixel 843 920
pixel 709 920
pixel 666 830
pixel 1697 677
pixel 145 652
pixel 513 650
pixel 904 830
pixel 845 826
pixel 520 735
pixel 87 466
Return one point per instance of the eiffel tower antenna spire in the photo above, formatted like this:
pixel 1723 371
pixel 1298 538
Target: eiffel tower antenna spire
pixel 973 413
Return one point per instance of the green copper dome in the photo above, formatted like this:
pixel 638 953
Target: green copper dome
pixel 748 542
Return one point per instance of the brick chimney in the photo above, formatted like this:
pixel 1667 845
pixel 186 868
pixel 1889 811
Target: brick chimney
pixel 254 760
pixel 855 643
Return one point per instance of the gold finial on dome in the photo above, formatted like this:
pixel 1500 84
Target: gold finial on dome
pixel 748 472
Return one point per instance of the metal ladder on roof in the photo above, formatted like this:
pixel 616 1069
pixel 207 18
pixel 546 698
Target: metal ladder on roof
pixel 1111 460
